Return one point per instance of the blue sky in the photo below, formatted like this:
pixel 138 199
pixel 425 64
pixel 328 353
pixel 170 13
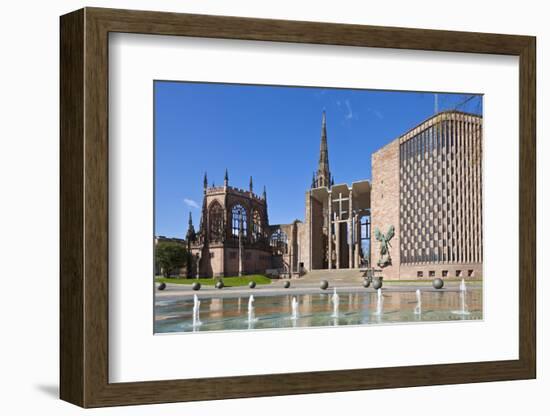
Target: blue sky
pixel 273 134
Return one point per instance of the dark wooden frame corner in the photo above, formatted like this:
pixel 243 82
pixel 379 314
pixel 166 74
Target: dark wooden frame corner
pixel 84 207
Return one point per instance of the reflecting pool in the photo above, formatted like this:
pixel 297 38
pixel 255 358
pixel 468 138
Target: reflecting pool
pixel 240 312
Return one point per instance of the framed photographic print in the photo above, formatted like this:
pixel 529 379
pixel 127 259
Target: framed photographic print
pixel 291 207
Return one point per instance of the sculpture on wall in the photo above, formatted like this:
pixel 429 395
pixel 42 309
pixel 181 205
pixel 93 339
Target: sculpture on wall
pixel 385 258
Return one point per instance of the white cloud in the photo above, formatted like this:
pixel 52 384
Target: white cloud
pixel 191 203
pixel 378 114
pixel 349 115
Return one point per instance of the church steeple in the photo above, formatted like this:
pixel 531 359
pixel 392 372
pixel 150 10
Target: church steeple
pixel 190 230
pixel 251 186
pixel 226 178
pixel 323 171
pixel 205 182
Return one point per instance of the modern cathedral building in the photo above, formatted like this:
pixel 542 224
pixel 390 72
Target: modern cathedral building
pixel 419 217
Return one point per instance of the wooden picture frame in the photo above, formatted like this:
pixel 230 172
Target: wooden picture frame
pixel 84 207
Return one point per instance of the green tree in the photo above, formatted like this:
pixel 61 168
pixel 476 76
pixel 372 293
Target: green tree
pixel 169 257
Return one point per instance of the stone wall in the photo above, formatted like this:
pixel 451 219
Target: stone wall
pixel 287 258
pixel 218 261
pixel 385 204
pixel 254 261
pixel 445 271
pixel 301 233
pixel 311 237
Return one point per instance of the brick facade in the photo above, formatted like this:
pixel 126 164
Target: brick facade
pixel 428 183
pixel 385 204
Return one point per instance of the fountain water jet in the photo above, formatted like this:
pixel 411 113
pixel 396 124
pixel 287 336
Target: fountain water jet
pixel 294 306
pixel 463 307
pixel 418 307
pixel 379 302
pixel 251 315
pixel 335 304
pixel 196 311
pixel 462 286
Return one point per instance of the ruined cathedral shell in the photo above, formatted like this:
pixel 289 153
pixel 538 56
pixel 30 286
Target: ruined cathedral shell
pixel 233 233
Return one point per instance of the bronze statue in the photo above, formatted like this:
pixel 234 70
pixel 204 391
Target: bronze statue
pixel 385 258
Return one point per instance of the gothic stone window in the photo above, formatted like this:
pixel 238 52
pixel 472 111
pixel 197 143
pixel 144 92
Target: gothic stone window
pixel 278 242
pixel 238 215
pixel 216 222
pixel 256 225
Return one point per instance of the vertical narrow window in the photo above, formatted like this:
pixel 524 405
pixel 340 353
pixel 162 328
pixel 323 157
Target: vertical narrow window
pixel 216 221
pixel 256 225
pixel 238 215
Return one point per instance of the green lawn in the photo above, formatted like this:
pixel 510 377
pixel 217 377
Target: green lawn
pixel 228 281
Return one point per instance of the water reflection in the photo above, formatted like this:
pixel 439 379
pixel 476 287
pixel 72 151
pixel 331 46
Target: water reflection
pixel 318 309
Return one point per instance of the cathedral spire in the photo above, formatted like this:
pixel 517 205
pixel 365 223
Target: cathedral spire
pixel 251 187
pixel 323 171
pixel 313 181
pixel 226 178
pixel 205 181
pixel 190 236
pixel 264 194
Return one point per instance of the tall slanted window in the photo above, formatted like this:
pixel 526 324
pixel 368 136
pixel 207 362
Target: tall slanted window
pixel 256 225
pixel 238 215
pixel 279 242
pixel 216 222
